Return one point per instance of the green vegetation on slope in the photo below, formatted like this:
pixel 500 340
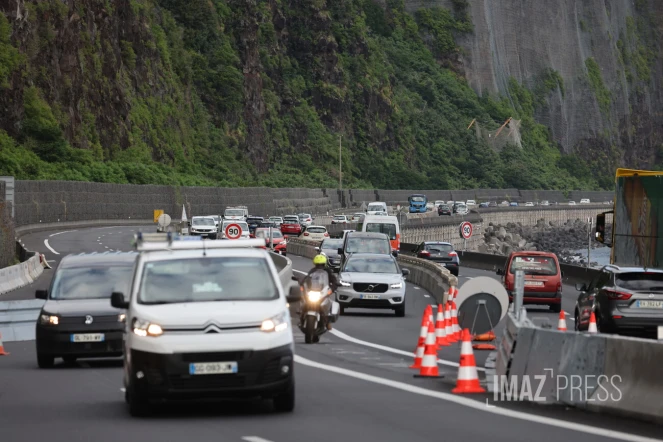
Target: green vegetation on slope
pixel 234 93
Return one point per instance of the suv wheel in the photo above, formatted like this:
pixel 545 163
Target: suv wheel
pixel 400 312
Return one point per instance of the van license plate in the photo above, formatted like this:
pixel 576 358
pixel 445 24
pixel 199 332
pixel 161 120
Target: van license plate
pixel 650 304
pixel 88 337
pixel 534 283
pixel 213 368
pixel 369 296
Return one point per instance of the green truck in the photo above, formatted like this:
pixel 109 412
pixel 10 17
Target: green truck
pixel 637 219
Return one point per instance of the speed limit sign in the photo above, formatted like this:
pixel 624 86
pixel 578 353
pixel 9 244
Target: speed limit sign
pixel 466 230
pixel 233 231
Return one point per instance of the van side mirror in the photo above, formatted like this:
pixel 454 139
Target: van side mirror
pixel 41 294
pixel 405 272
pixel 340 250
pixel 118 301
pixel 581 287
pixel 317 249
pixel 600 228
pixel 294 294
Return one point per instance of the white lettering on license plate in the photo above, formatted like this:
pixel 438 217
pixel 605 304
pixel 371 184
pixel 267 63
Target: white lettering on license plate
pixel 370 296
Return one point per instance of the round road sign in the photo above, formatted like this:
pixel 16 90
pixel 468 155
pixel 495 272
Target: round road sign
pixel 466 230
pixel 233 231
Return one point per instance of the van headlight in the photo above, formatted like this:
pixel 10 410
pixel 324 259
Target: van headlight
pixel 146 328
pixel 121 317
pixel 276 324
pixel 398 285
pixel 48 319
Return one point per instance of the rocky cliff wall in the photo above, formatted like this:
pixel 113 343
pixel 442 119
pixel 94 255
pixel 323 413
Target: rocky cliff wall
pixel 615 102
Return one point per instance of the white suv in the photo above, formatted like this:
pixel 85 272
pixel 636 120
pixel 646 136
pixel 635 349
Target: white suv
pixel 206 319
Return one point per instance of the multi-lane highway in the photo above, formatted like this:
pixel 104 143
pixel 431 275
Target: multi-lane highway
pixel 354 385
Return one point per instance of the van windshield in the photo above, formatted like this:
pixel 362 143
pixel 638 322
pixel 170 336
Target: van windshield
pixel 368 245
pixel 91 282
pixel 417 199
pixel 375 208
pixel 206 280
pixel 534 265
pixel 234 212
pixel 387 229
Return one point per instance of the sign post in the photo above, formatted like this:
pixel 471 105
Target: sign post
pixel 466 229
pixel 157 214
pixel 233 231
pixel 589 241
pixel 520 292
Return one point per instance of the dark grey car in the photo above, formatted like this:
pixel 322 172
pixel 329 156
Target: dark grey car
pixel 625 300
pixel 365 242
pixel 77 319
pixel 330 248
pixel 440 252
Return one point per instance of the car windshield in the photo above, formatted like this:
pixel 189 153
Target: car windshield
pixel 244 226
pixel 202 222
pixel 370 265
pixel 332 244
pixel 640 281
pixel 534 265
pixel 206 280
pixel 368 245
pixel 387 229
pixel 275 219
pixel 291 219
pixel 337 217
pixel 444 207
pixel 254 220
pixel 446 248
pixel 91 282
pixel 417 199
pixel 461 206
pixel 376 208
pixel 234 212
pixel 304 215
pixel 316 230
pixel 265 234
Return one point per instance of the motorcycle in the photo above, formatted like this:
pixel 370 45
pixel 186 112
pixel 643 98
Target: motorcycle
pixel 318 298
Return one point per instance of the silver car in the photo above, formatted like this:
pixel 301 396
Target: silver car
pixel 372 281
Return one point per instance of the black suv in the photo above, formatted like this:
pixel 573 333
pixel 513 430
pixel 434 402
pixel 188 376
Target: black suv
pixel 365 242
pixel 625 300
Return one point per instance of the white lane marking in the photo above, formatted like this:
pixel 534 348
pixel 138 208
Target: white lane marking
pixel 477 405
pixel 416 288
pixel 299 271
pixel 123 390
pixel 48 246
pixel 106 247
pixel 570 318
pixel 426 296
pixel 60 233
pixel 348 338
pixel 255 439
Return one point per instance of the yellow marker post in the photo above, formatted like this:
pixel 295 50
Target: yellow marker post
pixel 157 214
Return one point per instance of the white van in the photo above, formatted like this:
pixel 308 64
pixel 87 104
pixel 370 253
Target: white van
pixel 382 224
pixel 236 213
pixel 376 206
pixel 206 319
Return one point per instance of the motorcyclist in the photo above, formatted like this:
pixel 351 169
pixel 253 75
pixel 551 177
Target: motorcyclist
pixel 320 265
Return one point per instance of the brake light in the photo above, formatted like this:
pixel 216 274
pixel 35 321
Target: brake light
pixel 453 254
pixel 305 233
pixel 424 253
pixel 621 296
pixel 326 234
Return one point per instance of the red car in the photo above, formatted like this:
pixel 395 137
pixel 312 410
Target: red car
pixel 291 226
pixel 277 236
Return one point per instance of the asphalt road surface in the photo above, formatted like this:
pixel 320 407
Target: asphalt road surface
pixel 354 385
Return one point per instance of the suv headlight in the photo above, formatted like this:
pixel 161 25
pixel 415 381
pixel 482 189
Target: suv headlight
pixel 146 328
pixel 398 285
pixel 344 283
pixel 48 319
pixel 276 324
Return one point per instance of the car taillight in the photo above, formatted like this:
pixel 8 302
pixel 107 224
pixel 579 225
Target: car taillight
pixel 453 254
pixel 621 296
pixel 424 253
pixel 305 233
pixel 326 234
pixel 559 287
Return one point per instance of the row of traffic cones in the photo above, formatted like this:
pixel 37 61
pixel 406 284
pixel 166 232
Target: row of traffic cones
pixel 442 333
pixel 561 324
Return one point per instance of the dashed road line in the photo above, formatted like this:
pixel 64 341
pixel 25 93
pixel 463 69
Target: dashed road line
pixel 255 439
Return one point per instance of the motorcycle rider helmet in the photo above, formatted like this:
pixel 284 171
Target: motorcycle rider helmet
pixel 320 261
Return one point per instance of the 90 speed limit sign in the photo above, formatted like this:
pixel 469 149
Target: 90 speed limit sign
pixel 466 230
pixel 233 231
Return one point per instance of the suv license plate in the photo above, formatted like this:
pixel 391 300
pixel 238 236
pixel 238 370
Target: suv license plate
pixel 88 337
pixel 650 304
pixel 213 368
pixel 369 296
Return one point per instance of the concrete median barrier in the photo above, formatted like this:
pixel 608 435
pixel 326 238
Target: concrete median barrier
pixel 20 275
pixel 598 372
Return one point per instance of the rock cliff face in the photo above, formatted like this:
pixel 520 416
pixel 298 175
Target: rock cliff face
pixel 608 53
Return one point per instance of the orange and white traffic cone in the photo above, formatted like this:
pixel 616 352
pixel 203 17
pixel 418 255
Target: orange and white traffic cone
pixel 561 324
pixel 454 321
pixel 592 324
pixel 423 333
pixel 450 294
pixel 440 328
pixel 468 377
pixel 448 327
pixel 429 363
pixel 2 348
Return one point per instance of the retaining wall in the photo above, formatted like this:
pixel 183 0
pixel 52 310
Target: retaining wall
pixel 7 233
